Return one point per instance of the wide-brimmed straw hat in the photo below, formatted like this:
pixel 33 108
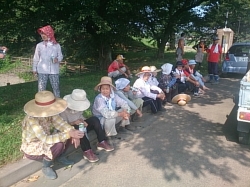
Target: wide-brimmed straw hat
pixel 154 69
pixel 77 100
pixel 144 69
pixel 44 105
pixel 105 80
pixel 181 99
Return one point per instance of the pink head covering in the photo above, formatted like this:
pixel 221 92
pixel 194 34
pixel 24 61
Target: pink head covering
pixel 48 31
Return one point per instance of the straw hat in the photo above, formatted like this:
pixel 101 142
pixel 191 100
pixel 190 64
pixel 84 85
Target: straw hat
pixel 144 69
pixel 120 57
pixel 77 100
pixel 181 99
pixel 154 69
pixel 44 105
pixel 104 80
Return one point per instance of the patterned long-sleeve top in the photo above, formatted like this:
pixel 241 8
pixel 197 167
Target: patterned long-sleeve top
pixel 39 134
pixel 167 81
pixel 42 60
pixel 127 96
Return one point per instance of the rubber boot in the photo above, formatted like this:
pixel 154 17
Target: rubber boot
pixel 216 79
pixel 47 170
pixel 211 78
pixel 63 160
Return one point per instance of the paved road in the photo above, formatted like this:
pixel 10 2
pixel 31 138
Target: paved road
pixel 189 146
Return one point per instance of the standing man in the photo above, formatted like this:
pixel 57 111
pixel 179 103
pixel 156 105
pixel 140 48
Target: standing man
pixel 46 61
pixel 213 56
pixel 180 48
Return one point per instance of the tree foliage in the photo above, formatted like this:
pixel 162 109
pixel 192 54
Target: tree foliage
pixel 88 28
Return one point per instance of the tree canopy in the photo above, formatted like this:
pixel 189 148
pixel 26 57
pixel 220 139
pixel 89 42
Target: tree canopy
pixel 96 28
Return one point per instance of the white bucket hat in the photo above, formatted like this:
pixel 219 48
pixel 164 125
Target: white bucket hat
pixel 44 105
pixel 167 68
pixel 77 100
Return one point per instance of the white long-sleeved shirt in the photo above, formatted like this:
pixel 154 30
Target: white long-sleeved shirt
pixel 144 89
pixel 42 61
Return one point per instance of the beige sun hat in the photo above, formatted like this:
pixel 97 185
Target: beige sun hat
pixel 120 57
pixel 181 99
pixel 77 100
pixel 105 80
pixel 144 69
pixel 154 69
pixel 44 105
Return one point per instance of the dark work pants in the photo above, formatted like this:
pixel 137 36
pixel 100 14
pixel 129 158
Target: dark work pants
pixel 155 105
pixel 172 92
pixel 181 87
pixel 93 124
pixel 212 68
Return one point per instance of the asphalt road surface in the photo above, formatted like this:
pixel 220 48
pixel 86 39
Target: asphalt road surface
pixel 194 145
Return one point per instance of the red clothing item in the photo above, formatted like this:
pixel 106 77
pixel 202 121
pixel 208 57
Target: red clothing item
pixel 214 57
pixel 115 65
pixel 49 32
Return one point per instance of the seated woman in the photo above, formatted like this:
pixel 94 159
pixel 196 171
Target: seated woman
pixel 124 91
pixel 77 103
pixel 144 91
pixel 192 83
pixel 109 108
pixel 44 132
pixel 195 75
pixel 167 83
pixel 117 69
pixel 180 77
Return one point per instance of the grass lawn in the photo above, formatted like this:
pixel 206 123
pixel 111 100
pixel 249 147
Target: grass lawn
pixel 13 98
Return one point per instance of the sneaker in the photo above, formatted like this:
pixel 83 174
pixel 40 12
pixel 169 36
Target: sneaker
pixel 168 104
pixel 130 127
pixel 215 82
pixel 123 130
pixel 196 94
pixel 104 146
pixel 90 156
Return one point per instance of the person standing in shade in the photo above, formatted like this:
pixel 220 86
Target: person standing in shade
pixel 46 61
pixel 200 49
pixel 213 56
pixel 180 48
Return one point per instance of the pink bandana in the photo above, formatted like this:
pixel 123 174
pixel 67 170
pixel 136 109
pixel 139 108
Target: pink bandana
pixel 49 32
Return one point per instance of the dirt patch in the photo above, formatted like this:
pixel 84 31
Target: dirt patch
pixel 10 78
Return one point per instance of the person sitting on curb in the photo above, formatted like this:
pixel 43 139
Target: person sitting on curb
pixel 77 103
pixel 144 91
pixel 195 75
pixel 45 133
pixel 124 91
pixel 167 83
pixel 110 109
pixel 180 77
pixel 118 69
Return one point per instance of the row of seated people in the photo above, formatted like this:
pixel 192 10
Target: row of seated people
pixel 52 123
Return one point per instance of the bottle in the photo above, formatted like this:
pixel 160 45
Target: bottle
pixel 52 58
pixel 81 127
pixel 167 90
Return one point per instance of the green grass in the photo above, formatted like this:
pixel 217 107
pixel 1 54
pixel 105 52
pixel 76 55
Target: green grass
pixel 13 98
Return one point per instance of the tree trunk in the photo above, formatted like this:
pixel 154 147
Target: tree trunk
pixel 105 57
pixel 172 41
